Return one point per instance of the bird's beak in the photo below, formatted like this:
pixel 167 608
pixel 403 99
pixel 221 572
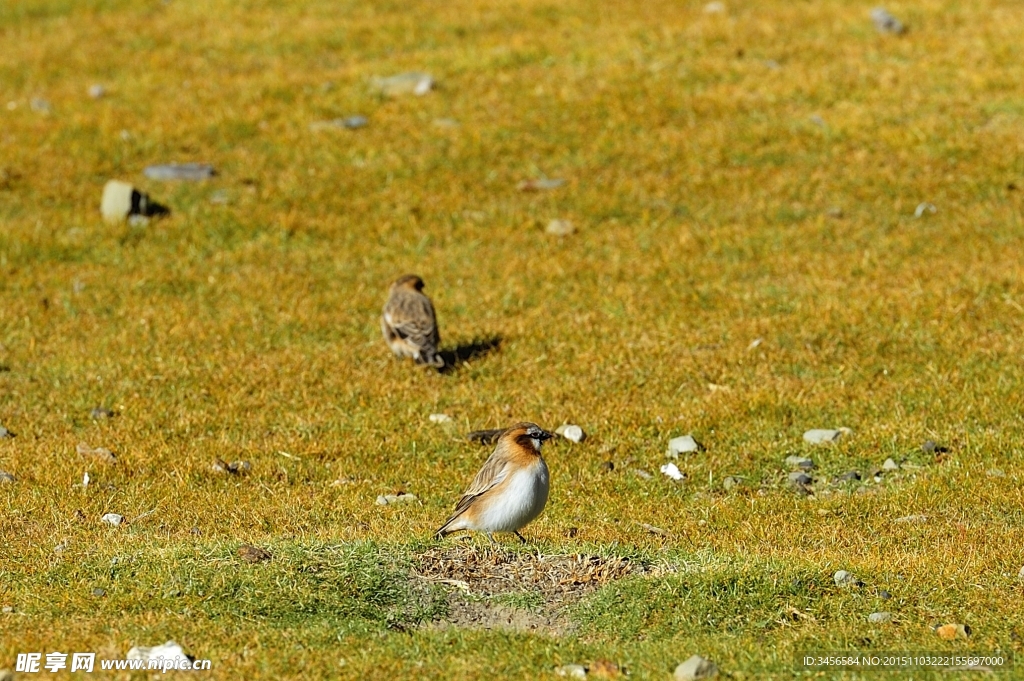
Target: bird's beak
pixel 545 436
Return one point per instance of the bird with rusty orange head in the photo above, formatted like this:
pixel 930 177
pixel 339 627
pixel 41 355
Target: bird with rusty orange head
pixel 510 490
pixel 409 323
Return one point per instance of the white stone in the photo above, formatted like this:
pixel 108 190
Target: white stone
pixel 682 445
pixel 1020 575
pixel 714 8
pixel 387 499
pixel 572 671
pixel 817 436
pixel 168 650
pixel 844 578
pixel 116 204
pixel 440 418
pixel 696 667
pixel 672 471
pixel 571 432
pixel 412 83
pixel 560 228
pixel 890 465
pixel 97 91
pixel 112 519
pixel 923 208
pixel 880 617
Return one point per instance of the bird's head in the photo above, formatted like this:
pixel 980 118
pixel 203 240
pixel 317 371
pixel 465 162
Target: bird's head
pixel 530 436
pixel 410 281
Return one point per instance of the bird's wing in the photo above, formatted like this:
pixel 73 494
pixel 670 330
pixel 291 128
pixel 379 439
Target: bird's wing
pixel 494 471
pixel 412 318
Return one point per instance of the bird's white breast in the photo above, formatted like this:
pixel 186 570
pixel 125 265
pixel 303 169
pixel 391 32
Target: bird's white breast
pixel 520 500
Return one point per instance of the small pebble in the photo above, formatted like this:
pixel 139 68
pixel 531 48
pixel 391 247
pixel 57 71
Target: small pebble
pixel 5 434
pixel 560 228
pixel 571 433
pixel 654 530
pixel 412 83
pixel 683 444
pixel 835 212
pixel 880 617
pixel 608 466
pixel 851 476
pixel 97 91
pixel 818 436
pixel 6 477
pixel 100 413
pixel 1020 575
pixel 440 418
pixel 916 519
pixel 890 465
pixel 923 208
pixel 386 499
pixel 640 473
pixel 99 593
pixel 7 609
pixel 731 482
pixel 253 554
pixel 949 632
pixel 801 462
pixel 884 595
pixel 541 184
pixel 995 473
pixel 179 171
pixel 714 8
pixel 571 671
pixel 930 447
pixel 886 22
pixel 672 471
pixel 695 668
pixel 800 478
pixel 112 519
pixel 844 578
pixel 349 123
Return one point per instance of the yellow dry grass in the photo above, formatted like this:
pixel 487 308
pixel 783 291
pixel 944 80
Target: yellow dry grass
pixel 733 176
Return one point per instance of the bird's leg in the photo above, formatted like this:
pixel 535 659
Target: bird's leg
pixel 490 538
pixel 521 537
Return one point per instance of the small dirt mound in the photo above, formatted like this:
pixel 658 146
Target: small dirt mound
pixel 477 576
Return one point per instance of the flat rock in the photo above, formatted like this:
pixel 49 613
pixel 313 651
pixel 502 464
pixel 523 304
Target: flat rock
pixel 180 171
pixel 114 519
pixel 571 432
pixel 560 228
pixel 890 465
pixel 817 436
pixel 121 200
pixel 684 444
pixel 880 617
pixel 672 471
pixel 886 22
pixel 411 83
pixel 802 462
pixel 696 667
pixel 800 478
pixel 101 454
pixel 6 477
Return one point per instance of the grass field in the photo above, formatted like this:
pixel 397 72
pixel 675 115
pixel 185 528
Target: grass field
pixel 746 265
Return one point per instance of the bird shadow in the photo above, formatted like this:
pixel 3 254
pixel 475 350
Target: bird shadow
pixel 467 352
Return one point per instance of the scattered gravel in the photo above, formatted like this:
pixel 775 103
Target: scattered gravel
pixel 695 668
pixel 684 444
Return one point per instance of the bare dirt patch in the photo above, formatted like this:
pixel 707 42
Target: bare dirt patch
pixel 480 584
